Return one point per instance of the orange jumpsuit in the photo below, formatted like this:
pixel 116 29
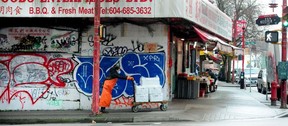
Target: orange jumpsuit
pixel 106 95
pixel 109 84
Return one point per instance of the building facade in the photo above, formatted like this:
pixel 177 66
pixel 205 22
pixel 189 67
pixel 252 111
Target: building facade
pixel 46 58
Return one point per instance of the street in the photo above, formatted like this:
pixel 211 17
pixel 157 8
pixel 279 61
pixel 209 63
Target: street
pixel 229 105
pixel 251 122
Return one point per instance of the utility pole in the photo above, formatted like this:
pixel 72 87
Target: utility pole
pixel 284 58
pixel 96 60
pixel 243 46
pixel 234 43
pixel 242 75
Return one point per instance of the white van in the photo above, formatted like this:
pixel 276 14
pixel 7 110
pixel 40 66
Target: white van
pixel 251 76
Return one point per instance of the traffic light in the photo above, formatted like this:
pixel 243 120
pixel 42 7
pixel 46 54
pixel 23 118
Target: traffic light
pixel 285 23
pixel 285 17
pixel 272 36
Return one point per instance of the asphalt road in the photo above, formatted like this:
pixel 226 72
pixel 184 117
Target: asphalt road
pixel 252 122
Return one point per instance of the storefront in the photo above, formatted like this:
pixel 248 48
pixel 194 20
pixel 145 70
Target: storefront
pixel 46 48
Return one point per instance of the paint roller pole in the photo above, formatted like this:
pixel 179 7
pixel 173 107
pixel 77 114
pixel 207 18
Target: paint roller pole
pixel 96 60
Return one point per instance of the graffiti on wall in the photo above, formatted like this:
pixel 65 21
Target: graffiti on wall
pixel 51 96
pixel 29 78
pixel 33 39
pixel 124 102
pixel 133 64
pixel 136 46
pixel 64 41
pixel 117 44
pixel 88 43
pixel 124 49
pixel 30 43
pixel 32 75
pixel 107 40
pixel 83 73
pixel 3 39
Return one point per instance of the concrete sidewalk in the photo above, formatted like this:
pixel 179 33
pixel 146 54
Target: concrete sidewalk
pixel 227 103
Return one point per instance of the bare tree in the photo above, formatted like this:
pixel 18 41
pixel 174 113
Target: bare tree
pixel 247 10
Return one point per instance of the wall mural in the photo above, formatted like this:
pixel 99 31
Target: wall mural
pixel 133 64
pixel 34 39
pixel 30 72
pixel 51 81
pixel 83 73
pixel 30 78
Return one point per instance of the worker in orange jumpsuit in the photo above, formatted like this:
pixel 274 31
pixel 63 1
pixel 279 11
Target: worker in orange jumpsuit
pixel 108 86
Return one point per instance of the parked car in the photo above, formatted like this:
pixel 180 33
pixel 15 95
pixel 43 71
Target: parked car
pixel 237 75
pixel 262 82
pixel 250 77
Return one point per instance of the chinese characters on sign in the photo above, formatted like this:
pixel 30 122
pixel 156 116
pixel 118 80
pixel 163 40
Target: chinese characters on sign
pixel 201 12
pixel 10 10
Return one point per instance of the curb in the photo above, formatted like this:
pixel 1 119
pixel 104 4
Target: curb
pixel 67 120
pixel 282 115
pixel 90 120
pixel 42 121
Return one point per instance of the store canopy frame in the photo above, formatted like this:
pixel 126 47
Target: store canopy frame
pixel 221 45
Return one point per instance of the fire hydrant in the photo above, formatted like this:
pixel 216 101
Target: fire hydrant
pixel 273 93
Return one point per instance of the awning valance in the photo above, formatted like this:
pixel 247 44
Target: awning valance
pixel 237 51
pixel 215 59
pixel 221 45
pixel 204 35
pixel 212 56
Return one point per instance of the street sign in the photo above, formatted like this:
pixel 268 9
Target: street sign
pixel 271 36
pixel 250 43
pixel 271 19
pixel 282 70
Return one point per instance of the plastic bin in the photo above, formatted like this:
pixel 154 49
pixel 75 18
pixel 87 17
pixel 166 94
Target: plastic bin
pixel 187 89
pixel 202 93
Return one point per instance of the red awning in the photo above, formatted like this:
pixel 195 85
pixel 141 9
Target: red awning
pixel 215 59
pixel 204 35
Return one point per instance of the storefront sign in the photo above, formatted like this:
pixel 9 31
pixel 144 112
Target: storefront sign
pixel 38 39
pixel 208 16
pixel 200 12
pixel 75 8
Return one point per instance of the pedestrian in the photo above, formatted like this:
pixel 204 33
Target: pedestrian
pixel 212 75
pixel 197 69
pixel 108 86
